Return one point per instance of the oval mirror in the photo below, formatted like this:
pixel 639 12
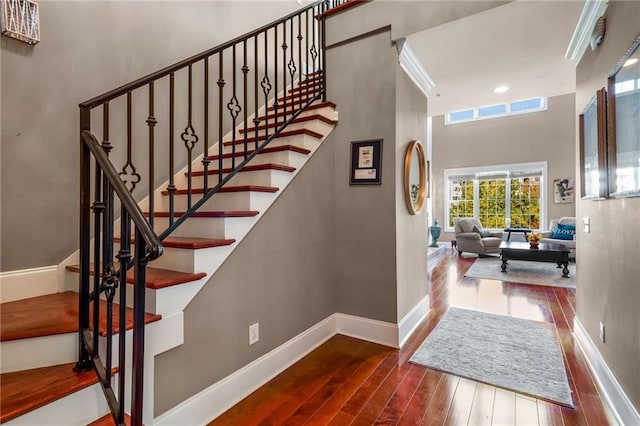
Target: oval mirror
pixel 415 177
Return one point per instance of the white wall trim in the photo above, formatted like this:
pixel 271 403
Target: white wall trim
pixel 414 68
pixel 410 322
pixel 219 397
pixel 591 12
pixel 612 393
pixel 25 283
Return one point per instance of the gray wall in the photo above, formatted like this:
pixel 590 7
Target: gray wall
pixel 540 136
pixel 281 275
pixel 411 230
pixel 608 267
pixel 87 48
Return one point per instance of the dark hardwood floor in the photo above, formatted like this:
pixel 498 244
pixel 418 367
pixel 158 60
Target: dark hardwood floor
pixel 348 381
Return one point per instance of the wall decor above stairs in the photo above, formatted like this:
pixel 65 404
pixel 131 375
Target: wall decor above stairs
pixel 53 365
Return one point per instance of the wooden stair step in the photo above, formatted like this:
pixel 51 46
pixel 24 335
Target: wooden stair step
pixel 157 278
pixel 228 213
pixel 267 150
pixel 191 243
pixel 239 188
pixel 284 134
pixel 27 390
pixel 247 168
pixel 309 108
pixel 49 315
pixel 300 96
pixel 312 85
pixel 297 120
pixel 107 420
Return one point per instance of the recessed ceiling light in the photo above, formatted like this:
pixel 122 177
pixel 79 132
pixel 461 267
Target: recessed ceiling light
pixel 501 89
pixel 630 62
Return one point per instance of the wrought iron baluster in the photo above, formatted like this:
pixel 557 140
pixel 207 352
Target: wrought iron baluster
pixel 266 87
pixel 306 52
pixel 245 71
pixel 275 76
pixel 171 188
pixel 221 84
pixel 323 58
pixel 189 136
pixel 137 374
pixel 234 109
pixel 151 123
pixel 124 256
pixel 284 72
pixel 292 66
pixel 205 157
pixel 129 169
pixel 300 38
pixel 256 119
pixel 314 50
pixel 109 281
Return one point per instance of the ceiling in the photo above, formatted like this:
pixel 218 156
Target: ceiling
pixel 520 44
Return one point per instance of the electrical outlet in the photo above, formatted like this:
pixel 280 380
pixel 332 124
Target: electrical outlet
pixel 254 333
pixel 602 332
pixel 586 225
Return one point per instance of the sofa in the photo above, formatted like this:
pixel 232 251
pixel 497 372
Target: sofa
pixel 471 237
pixel 561 231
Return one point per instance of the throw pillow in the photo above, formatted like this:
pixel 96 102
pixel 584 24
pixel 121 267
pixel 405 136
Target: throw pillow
pixel 564 232
pixel 482 232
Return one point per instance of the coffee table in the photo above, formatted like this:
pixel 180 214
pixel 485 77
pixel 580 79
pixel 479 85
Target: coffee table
pixel 556 253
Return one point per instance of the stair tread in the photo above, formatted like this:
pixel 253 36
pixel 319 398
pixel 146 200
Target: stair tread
pixel 193 243
pixel 284 134
pixel 107 420
pixel 238 188
pixel 27 390
pixel 49 315
pixel 267 150
pixel 312 107
pixel 157 278
pixel 297 120
pixel 248 168
pixel 228 213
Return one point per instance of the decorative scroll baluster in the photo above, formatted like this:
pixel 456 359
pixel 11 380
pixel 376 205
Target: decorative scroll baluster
pixel 129 169
pixel 109 281
pixel 323 56
pixel 314 50
pixel 205 157
pixel 151 123
pixel 189 136
pixel 171 188
pixel 275 76
pixel 306 53
pixel 221 84
pixel 234 109
pixel 245 71
pixel 300 38
pixel 292 64
pixel 266 87
pixel 124 256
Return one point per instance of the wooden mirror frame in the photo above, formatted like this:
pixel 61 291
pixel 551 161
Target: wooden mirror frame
pixel 599 102
pixel 614 191
pixel 415 207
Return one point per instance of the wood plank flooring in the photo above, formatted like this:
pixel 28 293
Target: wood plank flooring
pixel 348 381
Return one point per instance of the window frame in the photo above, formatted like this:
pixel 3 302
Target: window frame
pixel 508 169
pixel 476 111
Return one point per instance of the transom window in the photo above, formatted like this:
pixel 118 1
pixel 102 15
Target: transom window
pixel 498 110
pixel 511 194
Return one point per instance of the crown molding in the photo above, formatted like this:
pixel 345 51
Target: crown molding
pixel 591 12
pixel 412 65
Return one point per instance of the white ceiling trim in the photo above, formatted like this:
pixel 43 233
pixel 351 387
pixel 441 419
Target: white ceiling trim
pixel 591 12
pixel 412 65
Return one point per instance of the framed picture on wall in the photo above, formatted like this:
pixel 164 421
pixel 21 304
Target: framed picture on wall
pixel 563 190
pixel 366 162
pixel 593 155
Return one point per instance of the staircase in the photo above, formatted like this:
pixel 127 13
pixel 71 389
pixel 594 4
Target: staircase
pixel 39 335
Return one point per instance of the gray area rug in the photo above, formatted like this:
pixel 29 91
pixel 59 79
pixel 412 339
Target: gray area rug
pixel 511 353
pixel 522 271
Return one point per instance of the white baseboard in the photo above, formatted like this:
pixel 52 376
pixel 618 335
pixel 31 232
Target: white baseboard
pixel 410 322
pixel 25 283
pixel 219 397
pixel 612 393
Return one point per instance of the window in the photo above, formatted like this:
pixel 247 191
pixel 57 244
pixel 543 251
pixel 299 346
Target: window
pixel 499 110
pixel 493 194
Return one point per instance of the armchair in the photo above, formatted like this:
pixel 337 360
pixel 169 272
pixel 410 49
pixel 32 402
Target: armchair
pixel 472 238
pixel 547 236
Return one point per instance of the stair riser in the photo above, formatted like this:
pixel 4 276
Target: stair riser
pixel 326 111
pixel 37 352
pixel 79 408
pixel 245 200
pixel 223 227
pixel 307 142
pixel 286 158
pixel 274 178
pixel 318 126
pixel 190 261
